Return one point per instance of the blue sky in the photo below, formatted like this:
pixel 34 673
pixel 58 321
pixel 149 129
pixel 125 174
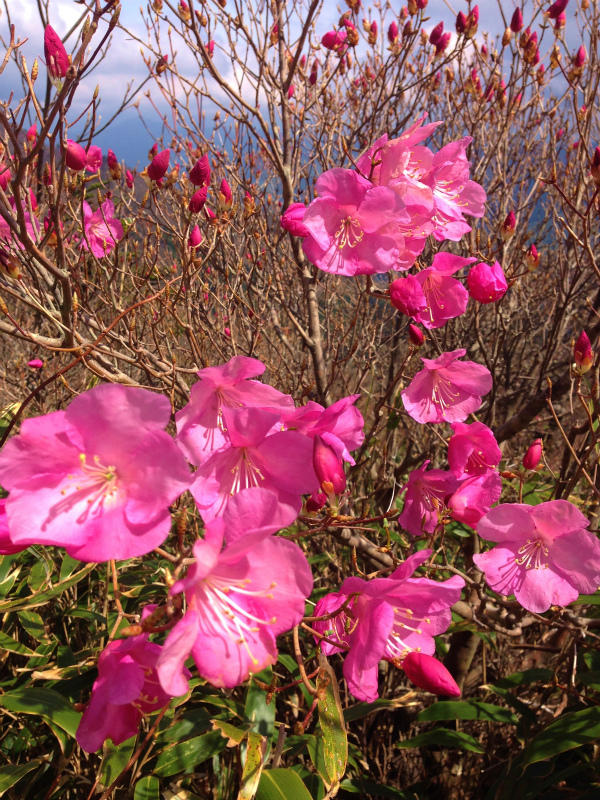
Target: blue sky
pixel 127 135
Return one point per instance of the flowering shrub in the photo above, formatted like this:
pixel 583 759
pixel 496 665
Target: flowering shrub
pixel 299 425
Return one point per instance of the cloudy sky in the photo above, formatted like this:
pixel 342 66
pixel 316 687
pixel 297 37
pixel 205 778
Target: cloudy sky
pixel 127 136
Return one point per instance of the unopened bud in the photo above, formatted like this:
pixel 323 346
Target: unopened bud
pixel 428 673
pixel 328 467
pixel 507 231
pixel 582 353
pixel 9 264
pixel 595 167
pixel 416 335
pixel 34 71
pixel 533 455
pixel 532 258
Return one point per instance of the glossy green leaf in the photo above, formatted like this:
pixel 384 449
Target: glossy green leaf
pixel 9 774
pixel 360 710
pixel 443 737
pixel 255 753
pixel 331 717
pixel 375 789
pixel 232 734
pixel 40 598
pixel 316 752
pixel 147 788
pixel 45 703
pixel 525 678
pixel 115 760
pixel 187 755
pixel 256 711
pixel 33 624
pixel 467 709
pixel 567 732
pixel 281 784
pixel 13 646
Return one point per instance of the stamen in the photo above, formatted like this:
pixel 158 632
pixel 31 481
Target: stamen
pixel 349 233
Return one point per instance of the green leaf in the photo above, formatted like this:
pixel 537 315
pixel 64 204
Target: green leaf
pixel 360 710
pixel 567 732
pixel 525 678
pixel 38 576
pixel 232 734
pixel 315 748
pixel 187 755
pixel 33 624
pixel 375 789
pixel 255 753
pixel 147 788
pixel 40 598
pixel 587 599
pixel 281 784
pixel 51 706
pixel 115 760
pixel 314 784
pixel 331 717
pixel 443 737
pixel 257 713
pixel 10 644
pixel 467 709
pixel 9 775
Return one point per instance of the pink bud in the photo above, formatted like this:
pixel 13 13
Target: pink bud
pixel 561 22
pixel 33 199
pixel 210 48
pixel 302 62
pixel 516 22
pixel 9 264
pixel 392 33
pixel 291 220
pixel 57 60
pixel 487 284
pixel 209 214
pixel 430 674
pixel 184 10
pixel 75 156
pixel 4 175
pixel 198 200
pixel 557 8
pixel 200 173
pixel 32 134
pixel 580 58
pixel 532 258
pixel 442 43
pixel 225 197
pixel 314 73
pixel 582 353
pixel 153 151
pixel 484 50
pixel 595 167
pixel 435 34
pixel 328 467
pixel 406 294
pixel 334 40
pixel 416 335
pixel 195 239
pixel 129 179
pixel 227 332
pixel 291 91
pixel 533 455
pixel 316 502
pixel 507 231
pixel 461 22
pixel 159 165
pixel 36 363
pixel 248 202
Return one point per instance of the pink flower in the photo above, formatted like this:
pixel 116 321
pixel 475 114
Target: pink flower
pixel 126 689
pixel 446 297
pixel 258 454
pixel 5 175
pixel 580 58
pixel 392 33
pixel 200 427
pixel 472 450
pixel 474 497
pixel 195 238
pixel 544 556
pixel 388 619
pixel 291 220
pixel 36 363
pixel 461 22
pixel 334 40
pixel 487 284
pixel 159 165
pixel 57 60
pixel 32 135
pixel 533 455
pixel 426 495
pixel 406 294
pixel 532 258
pixel 94 159
pixel 102 230
pixel 96 479
pixel 200 173
pixel 7 546
pixel 430 674
pixel 238 599
pixel 349 225
pixel 557 8
pixel 75 156
pixel 446 390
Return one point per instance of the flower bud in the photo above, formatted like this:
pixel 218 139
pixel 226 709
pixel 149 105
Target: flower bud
pixel 516 22
pixel 159 165
pixel 560 23
pixel 291 220
pixel 595 167
pixel 315 502
pixel 428 673
pixel 436 33
pixel 406 294
pixel 9 265
pixel 532 258
pixel 114 168
pixel 36 363
pixel 57 60
pixel 249 204
pixel 211 48
pixel 582 353
pixel 75 156
pixel 507 37
pixel 328 467
pixel 184 11
pixel 507 231
pixel 487 284
pixel 334 40
pixel 210 215
pixel 199 175
pixel 580 58
pixel 195 239
pixel 533 455
pixel 129 179
pixel 157 6
pixel 392 33
pixel 32 135
pixel 556 9
pixel 415 335
pixel 225 197
pixel 161 65
pixel 198 200
pixel 461 22
pixel 314 73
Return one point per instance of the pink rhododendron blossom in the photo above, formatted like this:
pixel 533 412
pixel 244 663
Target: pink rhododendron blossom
pixel 126 689
pixel 350 225
pixel 258 454
pixel 406 294
pixel 94 159
pixel 225 197
pixel 426 495
pixel 446 297
pixel 32 135
pixel 387 619
pixel 200 427
pixel 291 219
pixel 472 450
pixel 544 555
pixel 97 478
pixel 447 390
pixel 430 674
pixel 7 546
pixel 102 229
pixel 487 284
pixel 474 497
pixel 239 599
pixel 31 226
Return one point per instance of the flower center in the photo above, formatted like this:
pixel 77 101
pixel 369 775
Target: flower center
pixel 533 554
pixel 245 473
pixel 349 233
pixel 443 394
pixel 433 292
pixel 396 648
pixel 230 607
pixel 99 482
